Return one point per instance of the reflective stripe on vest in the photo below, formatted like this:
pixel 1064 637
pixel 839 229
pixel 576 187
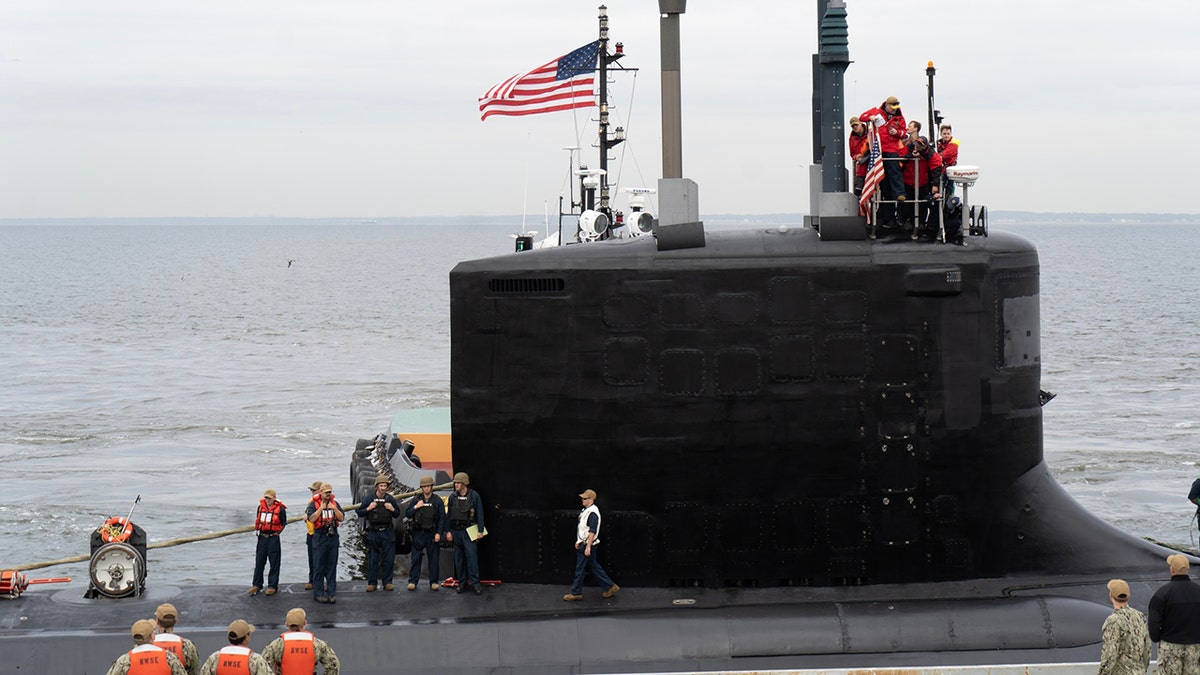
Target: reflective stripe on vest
pixel 148 660
pixel 172 643
pixel 233 660
pixel 299 654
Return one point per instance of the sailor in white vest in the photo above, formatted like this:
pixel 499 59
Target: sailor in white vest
pixel 587 536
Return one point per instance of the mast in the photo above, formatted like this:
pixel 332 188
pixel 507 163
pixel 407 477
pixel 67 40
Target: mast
pixel 606 141
pixel 932 134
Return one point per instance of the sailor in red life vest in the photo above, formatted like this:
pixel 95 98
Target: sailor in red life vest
pixel 166 616
pixel 325 515
pixel 315 489
pixel 947 147
pixel 928 178
pixel 859 150
pixel 297 652
pixel 268 523
pixel 237 658
pixel 889 120
pixel 145 658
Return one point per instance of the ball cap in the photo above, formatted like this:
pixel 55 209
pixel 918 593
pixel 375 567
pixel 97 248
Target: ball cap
pixel 1179 563
pixel 1118 589
pixel 587 494
pixel 316 485
pixel 296 618
pixel 142 631
pixel 166 613
pixel 326 487
pixel 239 629
pixel 269 493
pixel 426 480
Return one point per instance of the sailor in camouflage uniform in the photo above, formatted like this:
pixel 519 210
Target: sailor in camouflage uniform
pixel 1174 621
pixel 1126 642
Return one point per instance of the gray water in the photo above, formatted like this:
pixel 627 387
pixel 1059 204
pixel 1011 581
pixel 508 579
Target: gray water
pixel 189 364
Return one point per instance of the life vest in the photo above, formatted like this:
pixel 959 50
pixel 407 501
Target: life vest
pixel 269 520
pixel 299 654
pixel 233 660
pixel 325 518
pixel 462 513
pixel 316 499
pixel 581 532
pixel 172 643
pixel 425 518
pixel 148 659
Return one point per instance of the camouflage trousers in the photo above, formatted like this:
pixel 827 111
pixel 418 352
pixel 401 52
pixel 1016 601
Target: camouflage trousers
pixel 1175 659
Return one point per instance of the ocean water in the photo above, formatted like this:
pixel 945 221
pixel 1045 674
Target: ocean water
pixel 187 362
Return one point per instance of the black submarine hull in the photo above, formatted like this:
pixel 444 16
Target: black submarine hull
pixel 769 410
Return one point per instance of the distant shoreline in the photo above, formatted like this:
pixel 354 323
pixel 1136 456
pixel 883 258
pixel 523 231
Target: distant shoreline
pixel 515 221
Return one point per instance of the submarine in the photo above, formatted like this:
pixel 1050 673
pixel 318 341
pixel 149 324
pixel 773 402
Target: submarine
pixel 813 449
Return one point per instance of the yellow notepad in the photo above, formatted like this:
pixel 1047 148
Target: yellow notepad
pixel 475 533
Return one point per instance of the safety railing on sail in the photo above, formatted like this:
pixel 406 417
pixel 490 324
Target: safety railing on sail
pixel 936 209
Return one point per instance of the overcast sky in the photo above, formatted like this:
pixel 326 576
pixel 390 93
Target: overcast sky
pixel 366 108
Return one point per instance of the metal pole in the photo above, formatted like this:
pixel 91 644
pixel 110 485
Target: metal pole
pixel 930 71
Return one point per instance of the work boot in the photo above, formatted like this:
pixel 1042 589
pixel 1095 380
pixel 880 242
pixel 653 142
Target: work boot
pixel 572 597
pixel 412 587
pixel 332 600
pixel 611 591
pixel 478 589
pixel 370 588
pixel 388 587
pixel 253 590
pixel 270 591
pixel 432 586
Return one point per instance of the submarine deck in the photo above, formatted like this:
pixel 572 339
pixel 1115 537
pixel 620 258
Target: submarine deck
pixel 529 629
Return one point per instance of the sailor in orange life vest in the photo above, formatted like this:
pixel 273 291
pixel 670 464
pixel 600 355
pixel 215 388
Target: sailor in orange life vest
pixel 380 512
pixel 236 658
pixel 297 652
pixel 325 516
pixel 166 616
pixel 145 658
pixel 315 489
pixel 268 523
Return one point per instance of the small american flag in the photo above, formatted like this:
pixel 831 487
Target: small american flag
pixel 874 174
pixel 563 84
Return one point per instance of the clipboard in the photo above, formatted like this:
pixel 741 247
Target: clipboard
pixel 475 533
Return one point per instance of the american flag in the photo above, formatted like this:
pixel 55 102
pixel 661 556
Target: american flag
pixel 563 84
pixel 874 174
